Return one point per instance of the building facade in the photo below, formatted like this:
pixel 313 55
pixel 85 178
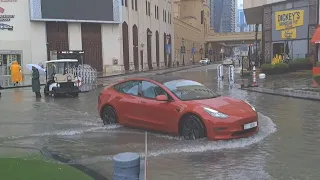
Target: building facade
pixel 283 35
pixel 123 35
pixel 191 24
pixel 223 15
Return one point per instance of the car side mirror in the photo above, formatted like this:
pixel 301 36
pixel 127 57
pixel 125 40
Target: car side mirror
pixel 162 98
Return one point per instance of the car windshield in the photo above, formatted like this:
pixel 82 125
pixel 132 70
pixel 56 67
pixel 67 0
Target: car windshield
pixel 59 67
pixel 187 90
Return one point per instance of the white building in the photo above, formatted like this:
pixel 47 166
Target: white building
pixel 31 31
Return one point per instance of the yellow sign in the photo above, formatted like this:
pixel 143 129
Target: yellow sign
pixel 288 19
pixel 289 34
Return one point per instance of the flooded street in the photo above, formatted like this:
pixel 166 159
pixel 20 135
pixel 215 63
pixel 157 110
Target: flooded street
pixel 286 147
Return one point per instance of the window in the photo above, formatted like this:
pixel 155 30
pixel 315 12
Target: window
pixel 132 4
pixel 129 87
pixel 136 5
pixel 126 3
pixel 149 11
pixel 165 16
pixel 150 90
pixel 155 11
pixel 147 8
pixel 122 2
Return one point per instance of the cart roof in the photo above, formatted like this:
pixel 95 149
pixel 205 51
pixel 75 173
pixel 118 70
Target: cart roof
pixel 62 60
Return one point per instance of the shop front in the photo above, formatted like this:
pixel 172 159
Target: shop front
pixel 290 32
pixel 287 29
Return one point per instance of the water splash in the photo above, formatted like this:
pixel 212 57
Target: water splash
pixel 69 132
pixel 267 127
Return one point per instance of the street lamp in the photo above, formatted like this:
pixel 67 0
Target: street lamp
pixel 183 50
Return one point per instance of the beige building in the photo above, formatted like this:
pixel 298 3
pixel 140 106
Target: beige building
pixel 191 24
pixel 121 35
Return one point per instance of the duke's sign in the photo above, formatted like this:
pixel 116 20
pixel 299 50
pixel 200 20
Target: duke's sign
pixel 289 19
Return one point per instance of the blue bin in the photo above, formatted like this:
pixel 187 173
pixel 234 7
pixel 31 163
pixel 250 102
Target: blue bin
pixel 126 166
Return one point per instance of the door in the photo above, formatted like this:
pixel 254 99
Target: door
pixel 135 47
pixel 127 101
pixel 125 46
pixel 157 49
pixel 149 48
pixel 92 45
pixel 57 36
pixel 157 115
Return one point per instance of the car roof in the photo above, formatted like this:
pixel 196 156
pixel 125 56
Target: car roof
pixel 62 60
pixel 158 78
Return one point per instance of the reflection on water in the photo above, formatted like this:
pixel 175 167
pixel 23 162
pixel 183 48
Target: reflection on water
pixel 286 147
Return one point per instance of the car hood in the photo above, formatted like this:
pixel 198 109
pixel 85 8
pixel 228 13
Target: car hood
pixel 227 105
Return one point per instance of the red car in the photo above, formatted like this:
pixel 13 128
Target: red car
pixel 176 106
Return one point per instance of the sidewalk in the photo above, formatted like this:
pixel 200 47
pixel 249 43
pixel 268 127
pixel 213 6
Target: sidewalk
pixel 295 85
pixel 5 81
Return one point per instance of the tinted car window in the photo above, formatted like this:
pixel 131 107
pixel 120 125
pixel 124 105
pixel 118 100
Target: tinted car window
pixel 189 90
pixel 130 87
pixel 150 90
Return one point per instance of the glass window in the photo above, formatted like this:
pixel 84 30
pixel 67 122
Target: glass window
pixel 150 90
pixel 190 90
pixel 130 87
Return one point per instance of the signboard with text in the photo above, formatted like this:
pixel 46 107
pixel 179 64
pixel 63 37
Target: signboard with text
pixel 289 19
pixel 5 19
pixel 289 33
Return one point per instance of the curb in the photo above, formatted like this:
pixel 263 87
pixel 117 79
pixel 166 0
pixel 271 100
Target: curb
pixel 138 72
pixel 58 157
pixel 290 94
pixel 115 75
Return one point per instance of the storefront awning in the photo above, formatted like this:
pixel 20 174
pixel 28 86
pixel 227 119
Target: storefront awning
pixel 316 36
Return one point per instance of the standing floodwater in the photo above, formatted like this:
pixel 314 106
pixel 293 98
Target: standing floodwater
pixel 286 146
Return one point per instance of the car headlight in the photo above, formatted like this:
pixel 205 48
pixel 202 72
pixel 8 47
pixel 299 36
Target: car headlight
pixel 253 108
pixel 215 113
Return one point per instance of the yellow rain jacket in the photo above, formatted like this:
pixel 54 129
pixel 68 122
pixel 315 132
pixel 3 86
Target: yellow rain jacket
pixel 16 75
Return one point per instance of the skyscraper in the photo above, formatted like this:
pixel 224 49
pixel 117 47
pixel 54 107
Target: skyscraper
pixel 223 15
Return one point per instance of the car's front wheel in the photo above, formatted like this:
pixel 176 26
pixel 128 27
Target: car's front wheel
pixel 109 115
pixel 192 128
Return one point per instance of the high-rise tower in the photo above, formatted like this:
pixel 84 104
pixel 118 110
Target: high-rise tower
pixel 223 15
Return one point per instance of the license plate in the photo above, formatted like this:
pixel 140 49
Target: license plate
pixel 250 125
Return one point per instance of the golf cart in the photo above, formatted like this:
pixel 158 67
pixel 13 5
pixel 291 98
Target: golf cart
pixel 59 80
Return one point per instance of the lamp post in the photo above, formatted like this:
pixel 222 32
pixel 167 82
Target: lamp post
pixel 168 50
pixel 201 50
pixel 193 51
pixel 256 39
pixel 183 51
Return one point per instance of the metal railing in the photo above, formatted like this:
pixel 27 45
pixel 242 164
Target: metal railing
pixel 87 74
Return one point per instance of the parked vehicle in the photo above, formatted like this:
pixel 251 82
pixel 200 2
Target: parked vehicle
pixel 177 106
pixel 204 61
pixel 227 62
pixel 59 81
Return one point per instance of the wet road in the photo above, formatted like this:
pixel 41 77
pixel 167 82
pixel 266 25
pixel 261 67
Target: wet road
pixel 286 147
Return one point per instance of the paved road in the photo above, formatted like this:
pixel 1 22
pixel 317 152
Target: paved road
pixel 286 147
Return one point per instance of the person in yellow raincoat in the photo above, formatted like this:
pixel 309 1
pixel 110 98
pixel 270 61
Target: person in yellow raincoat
pixel 16 75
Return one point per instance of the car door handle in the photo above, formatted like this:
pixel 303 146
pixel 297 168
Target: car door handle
pixel 143 102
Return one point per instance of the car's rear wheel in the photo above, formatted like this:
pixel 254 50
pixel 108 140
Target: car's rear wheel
pixel 192 128
pixel 109 115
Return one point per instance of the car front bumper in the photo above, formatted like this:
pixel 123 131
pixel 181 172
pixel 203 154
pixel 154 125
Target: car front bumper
pixel 231 128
